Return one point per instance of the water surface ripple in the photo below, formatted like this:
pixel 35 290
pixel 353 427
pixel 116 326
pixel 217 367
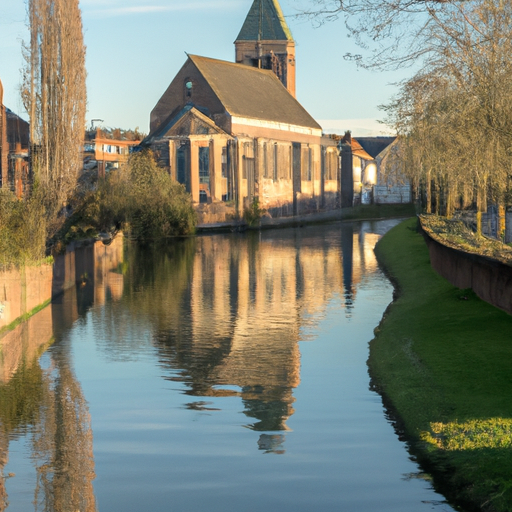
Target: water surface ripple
pixel 222 373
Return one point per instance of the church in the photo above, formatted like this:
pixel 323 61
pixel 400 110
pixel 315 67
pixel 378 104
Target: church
pixel 233 132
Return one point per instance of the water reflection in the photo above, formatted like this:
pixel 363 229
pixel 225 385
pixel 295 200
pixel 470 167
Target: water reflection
pixel 227 312
pixel 42 396
pixel 224 315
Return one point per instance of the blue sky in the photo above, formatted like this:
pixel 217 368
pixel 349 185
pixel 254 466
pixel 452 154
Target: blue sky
pixel 135 47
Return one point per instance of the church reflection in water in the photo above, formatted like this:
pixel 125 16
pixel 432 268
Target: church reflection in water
pixel 225 314
pixel 230 311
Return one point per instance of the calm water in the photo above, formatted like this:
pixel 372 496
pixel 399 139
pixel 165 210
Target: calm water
pixel 225 373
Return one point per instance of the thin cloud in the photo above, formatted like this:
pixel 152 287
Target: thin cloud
pixel 365 127
pixel 150 9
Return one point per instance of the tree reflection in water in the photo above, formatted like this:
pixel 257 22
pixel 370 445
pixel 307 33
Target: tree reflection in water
pixel 225 315
pixel 49 404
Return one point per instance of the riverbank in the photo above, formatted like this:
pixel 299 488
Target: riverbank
pixel 441 360
pixel 360 212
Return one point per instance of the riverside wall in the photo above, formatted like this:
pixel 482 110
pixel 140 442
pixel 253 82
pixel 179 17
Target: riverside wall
pixel 23 289
pixel 90 265
pixel 490 279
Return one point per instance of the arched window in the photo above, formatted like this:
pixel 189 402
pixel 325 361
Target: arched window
pixel 188 87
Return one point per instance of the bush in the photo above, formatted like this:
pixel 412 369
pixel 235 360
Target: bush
pixel 141 198
pixel 22 230
pixel 253 214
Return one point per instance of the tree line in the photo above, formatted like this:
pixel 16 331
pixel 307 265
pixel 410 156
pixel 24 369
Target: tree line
pixel 453 116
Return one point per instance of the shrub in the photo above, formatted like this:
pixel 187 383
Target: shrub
pixel 253 214
pixel 22 230
pixel 141 198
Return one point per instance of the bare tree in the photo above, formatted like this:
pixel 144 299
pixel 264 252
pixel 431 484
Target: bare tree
pixel 391 34
pixel 455 115
pixel 54 95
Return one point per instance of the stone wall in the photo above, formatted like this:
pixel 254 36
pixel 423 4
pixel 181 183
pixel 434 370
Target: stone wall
pixel 488 278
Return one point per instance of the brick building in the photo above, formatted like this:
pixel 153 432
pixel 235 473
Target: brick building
pixel 105 150
pixel 14 143
pixel 234 132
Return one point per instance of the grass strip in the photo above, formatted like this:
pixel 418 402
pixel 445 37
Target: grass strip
pixel 442 360
pixel 23 318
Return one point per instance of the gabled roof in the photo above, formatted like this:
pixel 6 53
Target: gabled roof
pixel 374 145
pixel 265 22
pixel 188 121
pixel 357 150
pixel 253 93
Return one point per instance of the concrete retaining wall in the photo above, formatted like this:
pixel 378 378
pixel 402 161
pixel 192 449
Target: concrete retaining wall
pixel 491 280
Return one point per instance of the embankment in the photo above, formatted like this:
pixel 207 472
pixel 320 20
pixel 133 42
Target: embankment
pixel 490 279
pixel 441 359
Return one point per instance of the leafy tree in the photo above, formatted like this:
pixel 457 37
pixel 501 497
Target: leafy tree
pixel 141 198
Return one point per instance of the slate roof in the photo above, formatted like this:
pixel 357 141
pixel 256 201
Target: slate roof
pixel 252 93
pixel 375 145
pixel 358 150
pixel 265 22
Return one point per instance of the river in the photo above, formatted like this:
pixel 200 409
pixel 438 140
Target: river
pixel 221 373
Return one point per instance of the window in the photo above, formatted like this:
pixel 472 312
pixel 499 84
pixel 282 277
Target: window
pixel 306 164
pixel 331 160
pixel 188 87
pixel 204 165
pixel 181 164
pixel 265 160
pixel 224 162
pixel 276 161
pixel 310 165
pixel 290 162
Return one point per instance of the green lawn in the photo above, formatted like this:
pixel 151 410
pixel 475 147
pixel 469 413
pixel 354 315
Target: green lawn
pixel 442 359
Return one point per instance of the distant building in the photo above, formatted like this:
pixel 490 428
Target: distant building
pixel 105 150
pixel 14 146
pixel 392 183
pixel 234 133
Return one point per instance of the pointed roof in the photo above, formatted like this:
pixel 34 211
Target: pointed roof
pixel 252 93
pixel 358 150
pixel 265 22
pixel 188 121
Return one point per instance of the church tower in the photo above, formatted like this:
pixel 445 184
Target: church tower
pixel 266 42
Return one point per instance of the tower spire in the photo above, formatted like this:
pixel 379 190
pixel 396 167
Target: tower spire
pixel 265 41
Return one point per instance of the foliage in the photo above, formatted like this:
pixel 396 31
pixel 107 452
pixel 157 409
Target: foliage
pixel 440 358
pixel 454 116
pixel 456 234
pixel 22 230
pixel 116 134
pixel 253 214
pixel 141 198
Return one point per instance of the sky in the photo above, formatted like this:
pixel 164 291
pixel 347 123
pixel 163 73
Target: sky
pixel 136 47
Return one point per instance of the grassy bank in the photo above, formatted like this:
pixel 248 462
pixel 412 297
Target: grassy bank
pixel 442 360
